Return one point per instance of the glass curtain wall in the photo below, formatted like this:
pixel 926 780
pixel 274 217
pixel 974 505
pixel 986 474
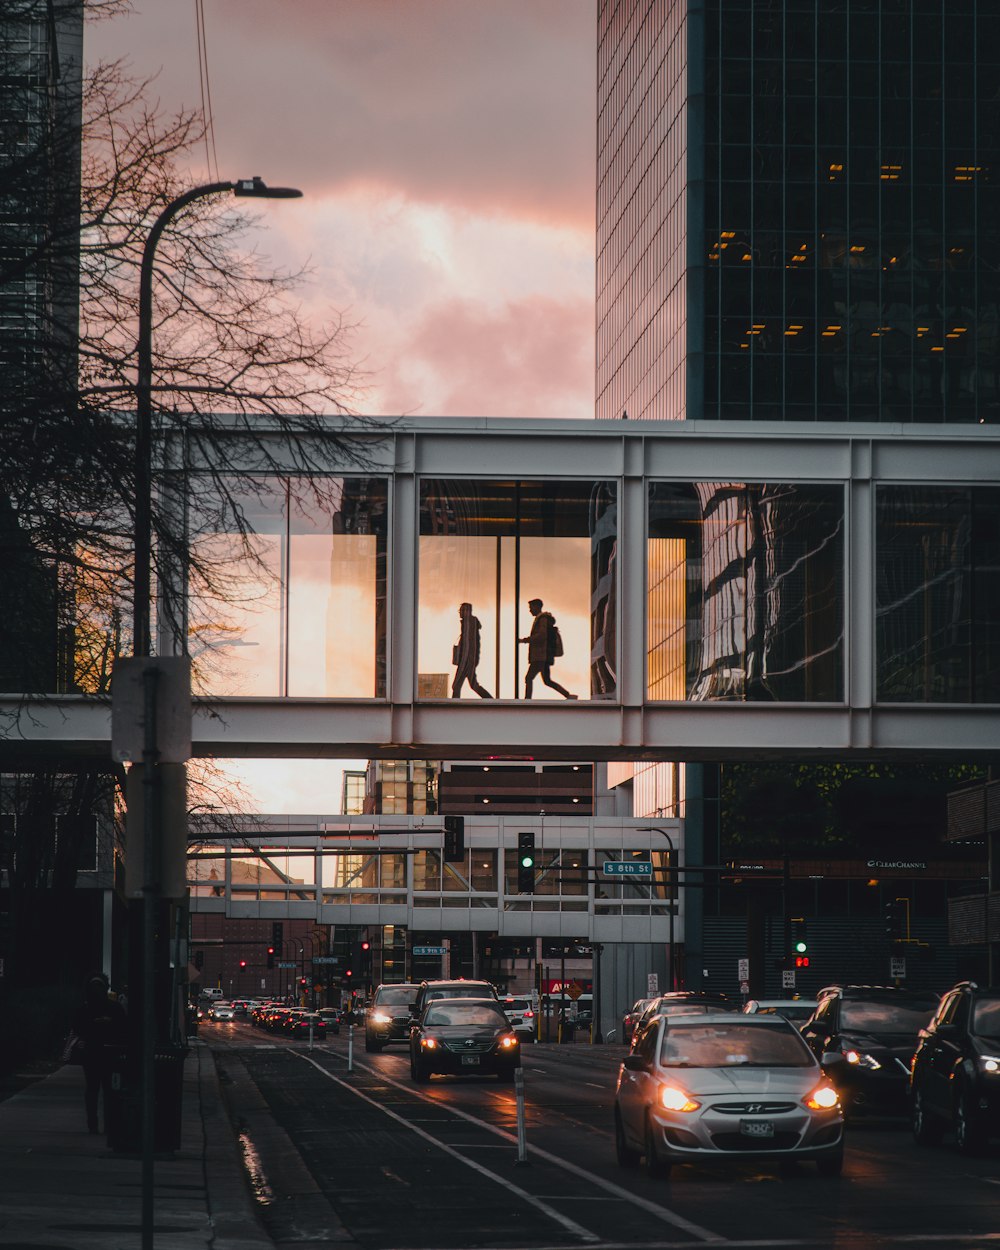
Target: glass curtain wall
pixel 489 551
pixel 745 596
pixel 937 624
pixel 287 594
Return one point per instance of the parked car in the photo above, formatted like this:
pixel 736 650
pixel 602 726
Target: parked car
pixel 463 1037
pixel 955 1076
pixel 631 1016
pixel 798 1010
pixel 388 1018
pixel 523 1019
pixel 698 1088
pixel 874 1029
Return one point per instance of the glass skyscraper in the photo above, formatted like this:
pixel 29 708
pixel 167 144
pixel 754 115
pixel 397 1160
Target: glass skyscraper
pixel 798 210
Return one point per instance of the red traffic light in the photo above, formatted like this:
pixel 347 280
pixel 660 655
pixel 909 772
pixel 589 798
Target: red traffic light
pixel 243 963
pixel 366 946
pixel 302 980
pixel 270 950
pixel 348 972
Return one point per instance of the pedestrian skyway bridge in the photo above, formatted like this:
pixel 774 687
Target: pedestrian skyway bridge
pixel 720 590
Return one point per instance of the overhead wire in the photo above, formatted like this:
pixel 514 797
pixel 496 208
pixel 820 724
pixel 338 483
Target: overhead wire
pixel 205 84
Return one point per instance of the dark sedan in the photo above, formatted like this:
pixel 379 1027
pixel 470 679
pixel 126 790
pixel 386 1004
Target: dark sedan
pixel 464 1037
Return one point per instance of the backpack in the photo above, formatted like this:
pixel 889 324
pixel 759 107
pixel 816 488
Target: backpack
pixel 556 641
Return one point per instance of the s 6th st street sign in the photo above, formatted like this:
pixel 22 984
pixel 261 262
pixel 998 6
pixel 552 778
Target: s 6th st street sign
pixel 628 868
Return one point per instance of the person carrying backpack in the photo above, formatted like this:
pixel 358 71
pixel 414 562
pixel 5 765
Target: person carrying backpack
pixel 544 646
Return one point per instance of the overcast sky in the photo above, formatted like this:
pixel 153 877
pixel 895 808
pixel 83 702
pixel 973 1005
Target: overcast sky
pixel 446 151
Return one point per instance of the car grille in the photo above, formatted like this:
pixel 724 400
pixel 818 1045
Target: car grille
pixel 463 1048
pixel 737 1141
pixel 753 1108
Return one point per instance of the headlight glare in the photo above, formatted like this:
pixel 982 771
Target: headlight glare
pixel 379 1017
pixel 674 1099
pixel 862 1059
pixel 823 1098
pixel 428 1043
pixel 990 1063
pixel 508 1041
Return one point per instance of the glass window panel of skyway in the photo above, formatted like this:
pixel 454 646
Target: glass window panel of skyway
pixel 487 549
pixel 287 587
pixel 745 592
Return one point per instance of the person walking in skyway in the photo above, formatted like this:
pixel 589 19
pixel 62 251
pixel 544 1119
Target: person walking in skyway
pixel 465 654
pixel 544 647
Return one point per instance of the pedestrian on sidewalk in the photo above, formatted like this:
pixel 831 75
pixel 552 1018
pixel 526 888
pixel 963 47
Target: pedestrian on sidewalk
pixel 100 1025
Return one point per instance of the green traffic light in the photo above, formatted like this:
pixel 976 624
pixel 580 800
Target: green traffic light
pixel 801 948
pixel 527 861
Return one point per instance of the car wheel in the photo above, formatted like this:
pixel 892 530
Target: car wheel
pixel 626 1156
pixel 927 1129
pixel 657 1169
pixel 372 1046
pixel 831 1164
pixel 969 1130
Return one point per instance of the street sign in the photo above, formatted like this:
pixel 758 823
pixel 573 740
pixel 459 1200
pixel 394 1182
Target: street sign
pixel 788 978
pixel 652 984
pixel 326 959
pixel 897 966
pixel 429 950
pixel 172 715
pixel 628 868
pixel 287 965
pixel 574 990
pixel 743 969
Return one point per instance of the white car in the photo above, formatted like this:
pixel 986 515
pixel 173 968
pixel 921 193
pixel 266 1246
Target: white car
pixel 798 1010
pixel 521 1014
pixel 725 1087
pixel 222 1011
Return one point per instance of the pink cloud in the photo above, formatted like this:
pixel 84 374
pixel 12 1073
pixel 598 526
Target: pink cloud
pixel 533 357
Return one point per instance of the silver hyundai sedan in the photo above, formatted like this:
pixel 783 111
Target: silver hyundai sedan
pixel 699 1088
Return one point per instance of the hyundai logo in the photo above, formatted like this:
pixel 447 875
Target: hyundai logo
pixel 755 1108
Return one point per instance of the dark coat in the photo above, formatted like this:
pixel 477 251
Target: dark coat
pixel 541 640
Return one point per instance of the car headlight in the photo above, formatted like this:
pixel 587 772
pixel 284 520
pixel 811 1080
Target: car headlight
pixel 861 1059
pixel 428 1043
pixel 508 1041
pixel 823 1098
pixel 675 1099
pixel 990 1064
pixel 379 1017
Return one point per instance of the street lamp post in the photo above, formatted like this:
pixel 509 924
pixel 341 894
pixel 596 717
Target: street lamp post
pixel 672 965
pixel 142 647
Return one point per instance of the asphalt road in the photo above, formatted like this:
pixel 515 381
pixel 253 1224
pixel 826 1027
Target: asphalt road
pixel 367 1155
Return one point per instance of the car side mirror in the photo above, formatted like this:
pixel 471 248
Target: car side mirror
pixel 634 1063
pixel 832 1059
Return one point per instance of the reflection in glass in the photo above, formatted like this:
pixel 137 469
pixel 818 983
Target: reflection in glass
pixel 745 592
pixel 938 594
pixel 288 596
pixel 495 546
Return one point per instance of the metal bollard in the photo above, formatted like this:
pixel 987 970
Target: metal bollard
pixel 350 1048
pixel 522 1136
pixel 310 1035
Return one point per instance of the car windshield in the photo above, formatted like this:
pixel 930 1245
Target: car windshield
pixel 517 1004
pixel 986 1018
pixel 396 998
pixel 791 1011
pixel 465 1014
pixel 732 1046
pixel 872 1017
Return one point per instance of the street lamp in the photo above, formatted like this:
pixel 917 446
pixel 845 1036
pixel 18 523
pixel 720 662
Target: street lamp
pixel 246 187
pixel 142 647
pixel 671 967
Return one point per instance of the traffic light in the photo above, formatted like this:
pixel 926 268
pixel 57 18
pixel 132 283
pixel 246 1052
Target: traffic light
pixel 277 934
pixel 896 915
pixel 243 963
pixel 525 863
pixel 800 942
pixel 454 839
pixel 270 956
pixel 199 960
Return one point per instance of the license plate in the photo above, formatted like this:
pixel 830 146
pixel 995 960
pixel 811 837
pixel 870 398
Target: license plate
pixel 757 1128
pixel 471 1061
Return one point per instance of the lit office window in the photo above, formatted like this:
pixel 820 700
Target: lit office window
pixel 937 623
pixel 502 562
pixel 745 596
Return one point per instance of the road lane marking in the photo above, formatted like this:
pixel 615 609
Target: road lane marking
pixel 571 1226
pixel 618 1191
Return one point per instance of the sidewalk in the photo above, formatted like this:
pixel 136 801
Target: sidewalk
pixel 61 1188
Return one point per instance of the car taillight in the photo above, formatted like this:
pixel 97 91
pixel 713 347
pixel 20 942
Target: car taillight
pixel 529 1015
